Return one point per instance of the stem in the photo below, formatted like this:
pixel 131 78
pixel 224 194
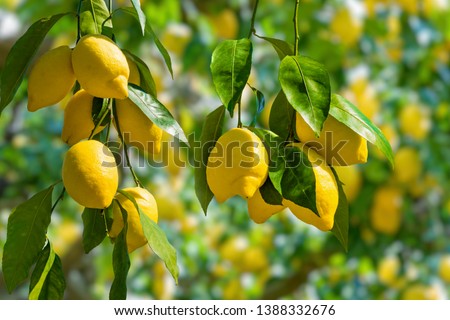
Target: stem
pixel 61 195
pixel 125 148
pixel 296 37
pixel 252 25
pixel 78 21
pixel 105 112
pixel 239 125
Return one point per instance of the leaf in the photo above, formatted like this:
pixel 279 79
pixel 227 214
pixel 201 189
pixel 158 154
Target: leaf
pixel 25 237
pixel 121 261
pixel 94 229
pixel 157 239
pixel 211 131
pixel 47 280
pixel 93 15
pixel 281 117
pixel 230 67
pixel 306 85
pixel 347 113
pixel 21 55
pixel 341 222
pixel 269 194
pixel 260 103
pixel 282 48
pixel 141 15
pixel 147 81
pixel 156 112
pixel 149 31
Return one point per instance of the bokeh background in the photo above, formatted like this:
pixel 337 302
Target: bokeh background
pixel 390 58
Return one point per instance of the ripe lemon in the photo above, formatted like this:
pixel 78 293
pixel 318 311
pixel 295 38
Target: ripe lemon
pixel 90 174
pixel 388 269
pixel 351 178
pixel 415 121
pixel 135 76
pixel 51 78
pixel 78 123
pixel 444 268
pixel 101 67
pixel 259 210
pixel 237 165
pixel 254 259
pixel 176 37
pixel 346 27
pixel 420 292
pixel 386 214
pixel 338 144
pixel 147 204
pixel 225 24
pixel 138 130
pixel 327 196
pixel 408 165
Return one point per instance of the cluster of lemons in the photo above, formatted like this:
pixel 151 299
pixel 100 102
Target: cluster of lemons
pixel 239 165
pixel 90 173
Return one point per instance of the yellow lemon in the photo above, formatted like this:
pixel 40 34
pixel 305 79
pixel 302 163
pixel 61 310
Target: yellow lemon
pixel 351 178
pixel 147 204
pixel 101 67
pixel 259 210
pixel 346 27
pixel 78 123
pixel 386 214
pixel 90 174
pixel 338 144
pixel 327 195
pixel 254 259
pixel 415 121
pixel 138 130
pixel 135 76
pixel 225 24
pixel 444 268
pixel 51 78
pixel 237 165
pixel 388 269
pixel 176 37
pixel 419 292
pixel 233 249
pixel 363 95
pixel 407 165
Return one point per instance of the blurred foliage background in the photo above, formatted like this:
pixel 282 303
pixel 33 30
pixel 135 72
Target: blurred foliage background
pixel 390 58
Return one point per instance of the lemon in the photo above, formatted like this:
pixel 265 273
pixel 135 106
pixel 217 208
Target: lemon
pixel 388 269
pixel 100 67
pixel 415 121
pixel 338 144
pixel 51 78
pixel 90 174
pixel 147 204
pixel 327 196
pixel 138 130
pixel 346 27
pixel 134 76
pixel 237 165
pixel 78 123
pixel 386 214
pixel 444 268
pixel 225 24
pixel 407 165
pixel 176 37
pixel 351 178
pixel 363 95
pixel 420 292
pixel 233 249
pixel 259 210
pixel 254 259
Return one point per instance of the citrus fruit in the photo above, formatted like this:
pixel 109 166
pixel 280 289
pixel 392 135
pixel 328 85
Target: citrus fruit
pixel 338 144
pixel 407 165
pixel 444 268
pixel 259 210
pixel 346 27
pixel 419 292
pixel 78 123
pixel 138 130
pixel 254 259
pixel 327 196
pixel 100 67
pixel 90 174
pixel 146 203
pixel 134 76
pixel 386 214
pixel 51 78
pixel 351 178
pixel 415 121
pixel 225 24
pixel 176 37
pixel 237 165
pixel 388 269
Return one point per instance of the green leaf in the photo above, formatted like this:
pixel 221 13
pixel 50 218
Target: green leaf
pixel 269 194
pixel 156 112
pixel 260 104
pixel 47 280
pixel 211 131
pixel 94 229
pixel 21 55
pixel 306 85
pixel 121 261
pixel 93 15
pixel 147 81
pixel 25 237
pixel 347 113
pixel 341 217
pixel 230 67
pixel 282 48
pixel 141 15
pixel 149 31
pixel 157 239
pixel 281 117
